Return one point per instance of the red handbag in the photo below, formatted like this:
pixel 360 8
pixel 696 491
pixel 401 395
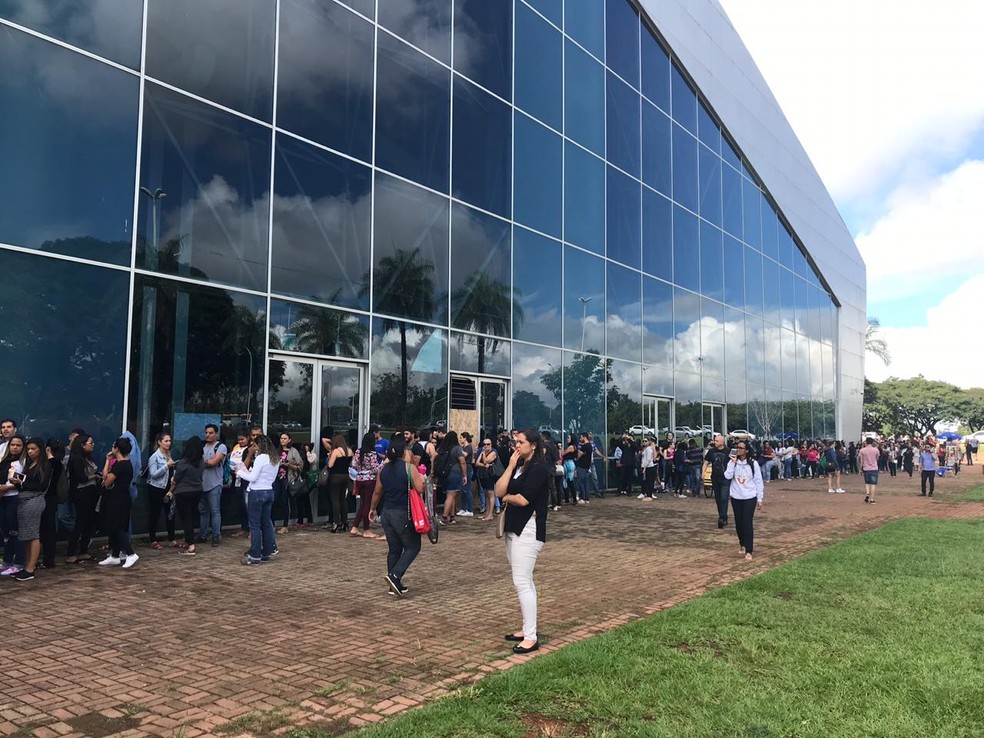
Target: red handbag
pixel 418 510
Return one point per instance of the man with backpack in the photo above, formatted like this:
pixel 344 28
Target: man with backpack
pixel 717 459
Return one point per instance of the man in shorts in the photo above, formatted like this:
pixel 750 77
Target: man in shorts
pixel 869 456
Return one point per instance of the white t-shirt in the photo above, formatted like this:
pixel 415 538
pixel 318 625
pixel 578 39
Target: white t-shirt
pixel 18 468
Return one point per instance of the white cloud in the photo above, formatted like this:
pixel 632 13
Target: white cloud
pixel 876 90
pixel 940 350
pixel 930 233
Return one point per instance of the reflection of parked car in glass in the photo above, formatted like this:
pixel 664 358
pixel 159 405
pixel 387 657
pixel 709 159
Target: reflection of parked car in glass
pixel 641 430
pixel 741 434
pixel 685 431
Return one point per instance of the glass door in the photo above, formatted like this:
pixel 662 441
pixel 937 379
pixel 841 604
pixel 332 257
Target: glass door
pixel 713 420
pixel 311 397
pixel 656 415
pixel 478 405
pixel 492 408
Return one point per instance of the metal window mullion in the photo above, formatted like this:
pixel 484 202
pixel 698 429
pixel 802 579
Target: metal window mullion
pixel 272 197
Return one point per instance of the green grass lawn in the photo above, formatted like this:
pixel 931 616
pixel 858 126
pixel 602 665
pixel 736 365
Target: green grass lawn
pixel 974 494
pixel 882 635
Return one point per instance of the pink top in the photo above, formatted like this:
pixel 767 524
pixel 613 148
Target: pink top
pixel 869 458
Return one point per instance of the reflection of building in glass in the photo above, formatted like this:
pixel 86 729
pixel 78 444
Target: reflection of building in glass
pixel 505 215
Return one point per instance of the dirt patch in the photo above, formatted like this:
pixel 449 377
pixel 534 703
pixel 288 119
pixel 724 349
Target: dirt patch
pixel 541 726
pixel 97 725
pixel 787 596
pixel 716 648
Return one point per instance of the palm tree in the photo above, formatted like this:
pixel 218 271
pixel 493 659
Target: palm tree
pixel 404 287
pixel 483 305
pixel 320 330
pixel 874 343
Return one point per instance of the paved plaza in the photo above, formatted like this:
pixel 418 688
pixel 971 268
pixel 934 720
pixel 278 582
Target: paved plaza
pixel 200 646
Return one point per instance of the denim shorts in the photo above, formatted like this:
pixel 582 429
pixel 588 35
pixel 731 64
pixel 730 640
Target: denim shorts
pixel 871 477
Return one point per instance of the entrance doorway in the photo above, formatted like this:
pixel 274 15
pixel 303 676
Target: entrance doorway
pixel 478 405
pixel 305 396
pixel 656 414
pixel 713 420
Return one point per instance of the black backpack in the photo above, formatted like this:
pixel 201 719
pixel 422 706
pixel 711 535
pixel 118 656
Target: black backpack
pixel 442 465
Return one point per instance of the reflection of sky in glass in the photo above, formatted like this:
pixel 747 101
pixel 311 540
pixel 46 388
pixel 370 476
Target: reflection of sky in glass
pixel 624 313
pixel 584 301
pixel 68 137
pixel 539 61
pixel 536 263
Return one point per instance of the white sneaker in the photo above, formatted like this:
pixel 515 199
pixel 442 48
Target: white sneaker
pixel 130 560
pixel 840 491
pixel 830 491
pixel 110 561
pixel 464 514
pixel 641 496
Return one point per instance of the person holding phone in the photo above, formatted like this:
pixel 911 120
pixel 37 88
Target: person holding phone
pixel 747 491
pixel 11 466
pixel 117 475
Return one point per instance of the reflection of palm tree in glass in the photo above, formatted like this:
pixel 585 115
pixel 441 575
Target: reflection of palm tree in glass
pixel 246 329
pixel 329 331
pixel 404 287
pixel 483 305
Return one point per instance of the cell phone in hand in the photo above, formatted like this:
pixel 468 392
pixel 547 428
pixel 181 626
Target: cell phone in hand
pixel 734 453
pixel 17 477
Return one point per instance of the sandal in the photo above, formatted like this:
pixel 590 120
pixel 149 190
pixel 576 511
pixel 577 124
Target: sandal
pixel 157 546
pixel 358 534
pixel 71 559
pixel 186 552
pixel 283 531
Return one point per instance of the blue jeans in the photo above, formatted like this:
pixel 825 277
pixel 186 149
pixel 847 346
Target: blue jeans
pixel 787 468
pixel 464 489
pixel 722 494
pixel 262 538
pixel 581 477
pixel 209 515
pixel 402 539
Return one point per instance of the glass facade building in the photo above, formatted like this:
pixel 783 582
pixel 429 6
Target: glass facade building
pixel 311 213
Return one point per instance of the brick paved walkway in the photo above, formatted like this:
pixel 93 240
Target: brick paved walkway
pixel 180 647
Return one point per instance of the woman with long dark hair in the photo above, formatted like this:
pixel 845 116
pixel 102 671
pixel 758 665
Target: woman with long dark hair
pixel 366 463
pixel 291 465
pixel 10 464
pixel 54 451
pixel 83 493
pixel 524 488
pixel 32 483
pixel 186 490
pixel 392 487
pixel 457 474
pixel 160 467
pixel 338 481
pixel 484 465
pixel 117 476
pixel 260 475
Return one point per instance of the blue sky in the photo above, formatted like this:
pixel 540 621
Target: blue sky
pixel 888 100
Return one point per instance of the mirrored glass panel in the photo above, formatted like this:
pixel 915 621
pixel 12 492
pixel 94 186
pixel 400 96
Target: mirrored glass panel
pixel 538 176
pixel 685 183
pixel 657 235
pixel 536 389
pixel 413 114
pixel 408 375
pixel 755 359
pixel 424 23
pixel 584 199
pixel 198 356
pixel 110 28
pixel 584 101
pixel 623 125
pixel 711 338
pixel 656 150
pixel 585 23
pixel 367 7
pixel 686 330
pixel 482 153
pixel 552 10
pixel 710 186
pixel 204 205
pixel 324 89
pixel 787 347
pixel 734 272
pixel 622 32
pixel 222 51
pixel 753 281
pixel 770 290
pixel 321 221
pixel 684 101
pixel 410 269
pixel 68 143
pixel 803 372
pixel 731 201
pixel 734 346
pixel 786 247
pixel 772 353
pixel 752 209
pixel 686 249
pixel 309 329
pixel 585 377
pixel 623 398
pixel 712 266
pixel 655 71
pixel 536 288
pixel 689 411
pixel 657 323
pixel 483 43
pixel 624 301
pixel 737 398
pixel 712 392
pixel 63 347
pixel 707 130
pixel 787 298
pixel 770 230
pixel 624 219
pixel 482 354
pixel 584 301
pixel 730 154
pixel 539 67
pixel 481 290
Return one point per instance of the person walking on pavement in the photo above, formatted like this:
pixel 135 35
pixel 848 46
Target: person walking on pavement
pixel 717 459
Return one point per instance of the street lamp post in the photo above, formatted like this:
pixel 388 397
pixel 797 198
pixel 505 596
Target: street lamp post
pixel 584 316
pixel 149 319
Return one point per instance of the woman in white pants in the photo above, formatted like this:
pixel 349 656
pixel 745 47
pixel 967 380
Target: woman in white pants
pixel 525 488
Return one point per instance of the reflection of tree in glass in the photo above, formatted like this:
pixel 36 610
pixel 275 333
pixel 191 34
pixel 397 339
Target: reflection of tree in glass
pixel 584 391
pixel 245 328
pixel 766 417
pixel 391 410
pixel 404 287
pixel 623 412
pixel 482 304
pixel 332 332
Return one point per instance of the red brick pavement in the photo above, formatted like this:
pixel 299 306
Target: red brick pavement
pixel 179 647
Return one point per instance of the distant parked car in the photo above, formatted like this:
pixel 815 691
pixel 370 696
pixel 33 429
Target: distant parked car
pixel 685 431
pixel 741 434
pixel 641 430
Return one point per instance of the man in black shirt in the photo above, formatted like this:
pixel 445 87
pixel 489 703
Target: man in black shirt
pixel 717 459
pixel 582 468
pixel 626 464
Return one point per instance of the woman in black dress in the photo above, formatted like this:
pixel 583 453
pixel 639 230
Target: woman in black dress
pixel 525 489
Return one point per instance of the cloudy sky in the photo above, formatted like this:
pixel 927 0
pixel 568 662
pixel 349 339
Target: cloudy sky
pixel 888 100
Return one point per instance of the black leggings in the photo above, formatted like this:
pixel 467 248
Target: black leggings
pixel 155 505
pixel 929 476
pixel 117 505
pixel 744 511
pixel 84 499
pixel 49 530
pixel 187 511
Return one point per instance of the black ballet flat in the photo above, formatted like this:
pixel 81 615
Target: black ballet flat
pixel 513 637
pixel 520 649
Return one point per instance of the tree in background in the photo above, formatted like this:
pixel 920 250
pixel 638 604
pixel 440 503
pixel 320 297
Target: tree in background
pixel 874 343
pixel 915 406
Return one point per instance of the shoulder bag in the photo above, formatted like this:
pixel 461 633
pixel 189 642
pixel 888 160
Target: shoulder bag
pixel 500 528
pixel 416 507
